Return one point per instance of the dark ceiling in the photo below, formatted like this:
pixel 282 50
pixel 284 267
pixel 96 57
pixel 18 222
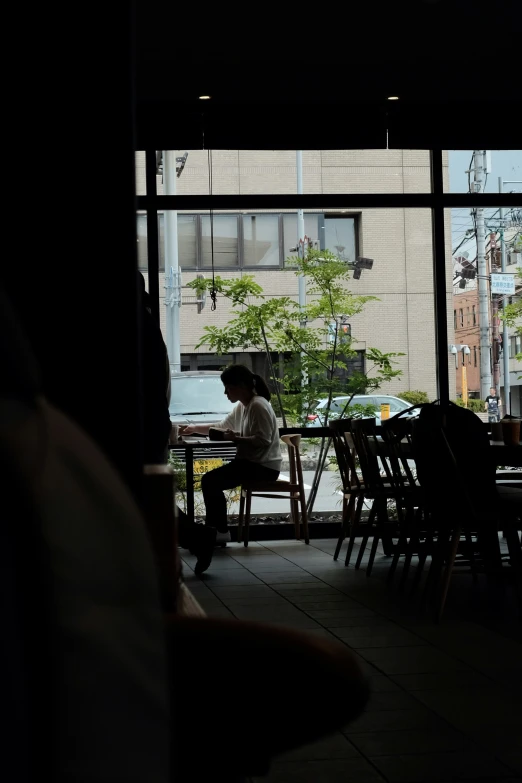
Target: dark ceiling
pixel 320 76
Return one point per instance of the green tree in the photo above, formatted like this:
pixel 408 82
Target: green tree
pixel 313 339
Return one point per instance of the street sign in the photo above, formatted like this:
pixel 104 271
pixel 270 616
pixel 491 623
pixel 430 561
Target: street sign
pixel 503 284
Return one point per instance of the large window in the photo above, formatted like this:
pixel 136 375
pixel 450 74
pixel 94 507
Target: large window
pixel 219 241
pixel 247 241
pixel 339 236
pixel 261 246
pixel 187 227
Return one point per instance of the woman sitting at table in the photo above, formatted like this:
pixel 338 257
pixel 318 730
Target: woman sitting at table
pixel 252 425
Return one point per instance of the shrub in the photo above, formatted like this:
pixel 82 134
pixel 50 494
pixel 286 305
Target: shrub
pixel 477 406
pixel 414 397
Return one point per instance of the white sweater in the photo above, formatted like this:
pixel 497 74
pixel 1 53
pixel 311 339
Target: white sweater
pixel 257 425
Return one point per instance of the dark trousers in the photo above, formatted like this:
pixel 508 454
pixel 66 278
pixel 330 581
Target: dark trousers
pixel 229 476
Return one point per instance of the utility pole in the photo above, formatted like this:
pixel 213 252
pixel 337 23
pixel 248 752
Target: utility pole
pixel 505 334
pixel 172 273
pixel 495 331
pixel 482 274
pixel 300 231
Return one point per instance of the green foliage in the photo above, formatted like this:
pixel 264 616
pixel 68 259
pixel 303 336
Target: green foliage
pixel 414 397
pixel 318 349
pixel 477 406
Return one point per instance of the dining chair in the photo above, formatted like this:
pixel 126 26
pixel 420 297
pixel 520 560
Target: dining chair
pixel 379 487
pixel 465 525
pixel 353 488
pixel 397 436
pixel 294 488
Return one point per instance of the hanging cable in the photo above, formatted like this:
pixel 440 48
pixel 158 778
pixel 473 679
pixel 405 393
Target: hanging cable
pixel 213 292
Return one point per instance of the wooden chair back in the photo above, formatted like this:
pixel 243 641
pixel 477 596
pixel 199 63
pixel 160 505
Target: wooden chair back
pixel 367 448
pixel 345 453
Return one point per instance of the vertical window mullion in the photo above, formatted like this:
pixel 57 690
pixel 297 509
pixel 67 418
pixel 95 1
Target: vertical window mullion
pixel 281 241
pixel 152 235
pixel 439 276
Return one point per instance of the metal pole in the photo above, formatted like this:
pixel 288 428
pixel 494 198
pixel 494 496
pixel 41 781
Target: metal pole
pixel 482 272
pixel 172 274
pixel 300 228
pixel 439 277
pixel 505 335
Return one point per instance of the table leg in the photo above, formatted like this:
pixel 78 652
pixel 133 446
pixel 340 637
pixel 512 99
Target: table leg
pixel 189 468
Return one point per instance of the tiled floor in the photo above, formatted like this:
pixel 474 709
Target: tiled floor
pixel 446 700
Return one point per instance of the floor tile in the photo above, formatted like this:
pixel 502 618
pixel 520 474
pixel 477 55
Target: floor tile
pixel 472 708
pixel 410 660
pixel 393 700
pixel 441 681
pixel 394 720
pixel 512 760
pixel 288 577
pixel 498 739
pixel 239 591
pixel 253 600
pixel 439 766
pixel 382 684
pixel 337 746
pixel 336 771
pixel 400 742
pixel 232 577
pixel 350 609
pixel 343 620
pixel 378 637
pixel 304 588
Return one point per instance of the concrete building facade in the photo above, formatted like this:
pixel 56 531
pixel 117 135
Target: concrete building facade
pixel 258 243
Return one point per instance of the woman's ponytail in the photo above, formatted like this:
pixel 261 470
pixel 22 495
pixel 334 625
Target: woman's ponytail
pixel 261 387
pixel 238 374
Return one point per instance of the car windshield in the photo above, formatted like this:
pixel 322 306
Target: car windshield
pixel 198 394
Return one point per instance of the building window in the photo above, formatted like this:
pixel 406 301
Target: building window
pixel 224 239
pixel 187 241
pixel 454 319
pixel 261 240
pixel 468 321
pixel 247 241
pixel 474 356
pixel 312 224
pixel 141 236
pixel 474 315
pixel 339 237
pixel 518 341
pixel 461 318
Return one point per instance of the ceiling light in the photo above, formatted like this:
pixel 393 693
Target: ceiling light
pixel 204 97
pixel 393 97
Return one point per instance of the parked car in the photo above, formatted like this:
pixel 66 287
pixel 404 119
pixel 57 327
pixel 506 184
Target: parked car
pixel 338 405
pixel 198 397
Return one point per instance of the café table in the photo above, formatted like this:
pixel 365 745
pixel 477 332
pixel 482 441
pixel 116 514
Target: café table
pixel 190 449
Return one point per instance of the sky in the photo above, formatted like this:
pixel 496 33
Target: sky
pixel 504 163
